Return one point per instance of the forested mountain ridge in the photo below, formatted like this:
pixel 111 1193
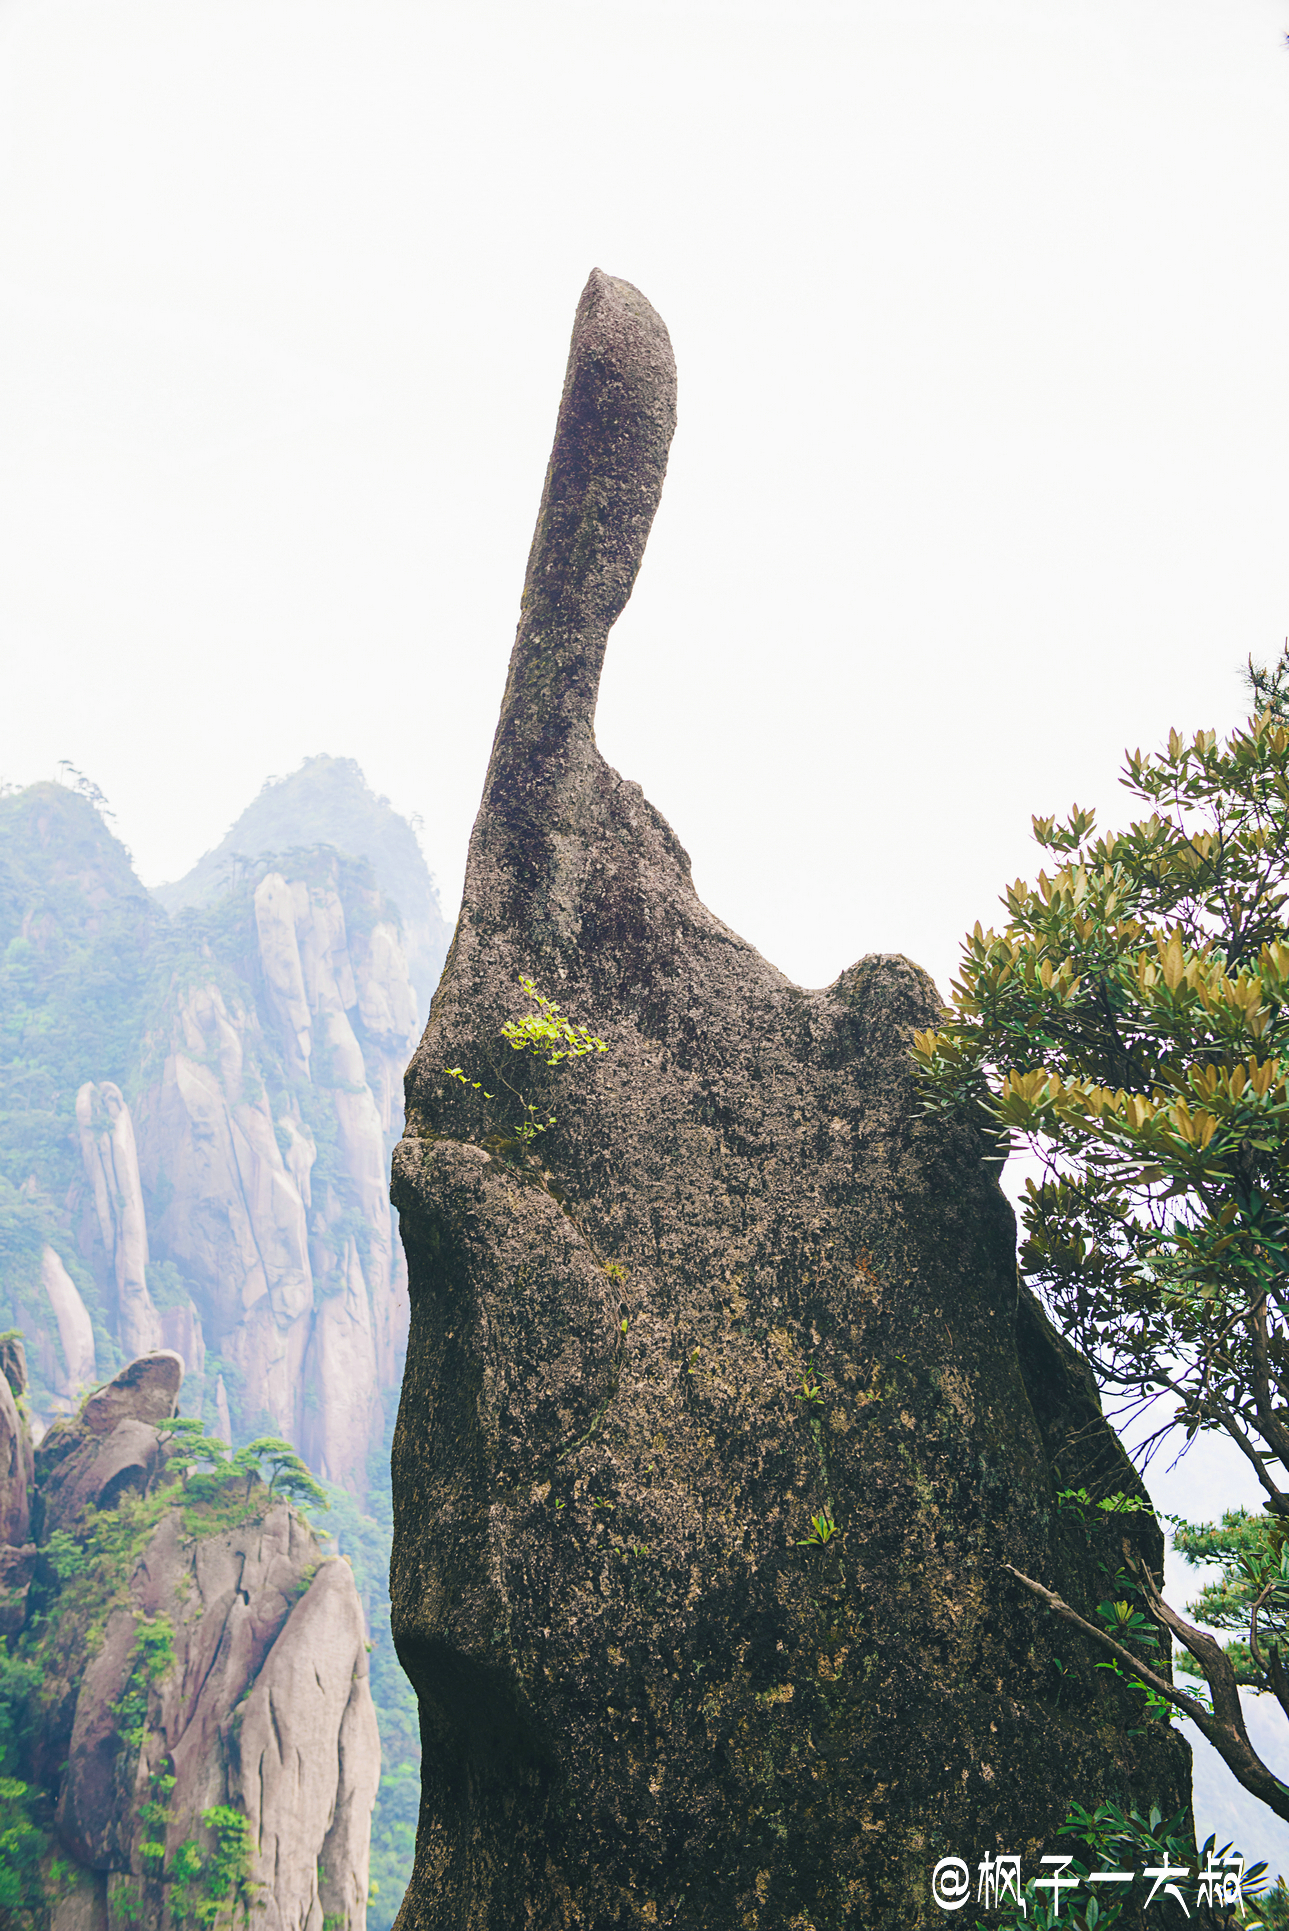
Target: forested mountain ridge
pixel 196 1111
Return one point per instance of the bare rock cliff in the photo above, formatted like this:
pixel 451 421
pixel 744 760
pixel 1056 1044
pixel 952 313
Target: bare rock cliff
pixel 296 1284
pixel 748 1285
pixel 112 1168
pixel 16 1477
pixel 197 1113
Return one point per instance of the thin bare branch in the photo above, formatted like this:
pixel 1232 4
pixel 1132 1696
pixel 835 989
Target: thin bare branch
pixel 1223 1725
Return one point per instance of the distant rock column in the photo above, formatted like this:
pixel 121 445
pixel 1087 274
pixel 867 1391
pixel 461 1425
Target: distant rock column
pixel 223 1421
pixel 362 1146
pixel 280 958
pixel 342 1370
pixel 333 991
pixel 112 1169
pixel 387 1006
pixel 234 1220
pixel 74 1330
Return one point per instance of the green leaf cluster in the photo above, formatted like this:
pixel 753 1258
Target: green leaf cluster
pixel 1130 1024
pixel 1110 1838
pixel 270 1459
pixel 24 1842
pixel 548 1036
pixel 547 1033
pixel 822 1530
pixel 152 1654
pixel 1251 1591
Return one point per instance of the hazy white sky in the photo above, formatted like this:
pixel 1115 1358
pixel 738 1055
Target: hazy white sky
pixel 979 313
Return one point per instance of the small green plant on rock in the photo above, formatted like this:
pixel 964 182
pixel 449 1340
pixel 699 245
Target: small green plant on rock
pixel 810 1394
pixel 152 1655
pixel 822 1529
pixel 227 1872
pixel 549 1037
pixel 154 1815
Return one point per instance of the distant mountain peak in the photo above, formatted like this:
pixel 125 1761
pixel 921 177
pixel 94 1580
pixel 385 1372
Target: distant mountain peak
pixel 328 801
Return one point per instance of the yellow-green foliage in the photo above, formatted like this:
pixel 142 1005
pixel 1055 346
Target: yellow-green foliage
pixel 548 1036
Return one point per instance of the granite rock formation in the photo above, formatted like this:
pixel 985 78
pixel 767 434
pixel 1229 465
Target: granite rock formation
pixel 251 1703
pixel 197 1111
pixel 67 1343
pixel 112 1169
pixel 16 1470
pixel 723 1407
pixel 328 800
pixel 296 1286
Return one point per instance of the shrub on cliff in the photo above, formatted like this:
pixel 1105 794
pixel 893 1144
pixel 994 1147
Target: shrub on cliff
pixel 1130 1025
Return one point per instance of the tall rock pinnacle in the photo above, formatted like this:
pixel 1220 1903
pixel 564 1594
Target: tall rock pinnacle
pixel 724 1408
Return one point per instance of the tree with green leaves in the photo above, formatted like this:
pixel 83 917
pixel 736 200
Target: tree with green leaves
pixel 287 1474
pixel 543 1034
pixel 1130 1026
pixel 187 1446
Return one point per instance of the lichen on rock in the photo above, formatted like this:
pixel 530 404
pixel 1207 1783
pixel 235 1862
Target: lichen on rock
pixel 724 1409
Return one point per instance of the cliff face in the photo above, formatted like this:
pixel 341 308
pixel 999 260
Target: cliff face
pixel 186 1683
pixel 197 1108
pixel 196 1154
pixel 328 801
pixel 716 1430
pixel 290 1266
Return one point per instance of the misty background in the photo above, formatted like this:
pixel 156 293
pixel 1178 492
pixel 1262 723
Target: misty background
pixel 984 410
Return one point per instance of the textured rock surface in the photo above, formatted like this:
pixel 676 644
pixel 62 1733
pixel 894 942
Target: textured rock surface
pixel 15 1462
pixel 112 1445
pixel 751 1283
pixel 310 1758
pixel 17 1564
pixel 219 1186
pixel 146 1390
pixel 13 1362
pixel 97 1473
pixel 261 1704
pixel 73 1369
pixel 290 1302
pixel 112 1169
